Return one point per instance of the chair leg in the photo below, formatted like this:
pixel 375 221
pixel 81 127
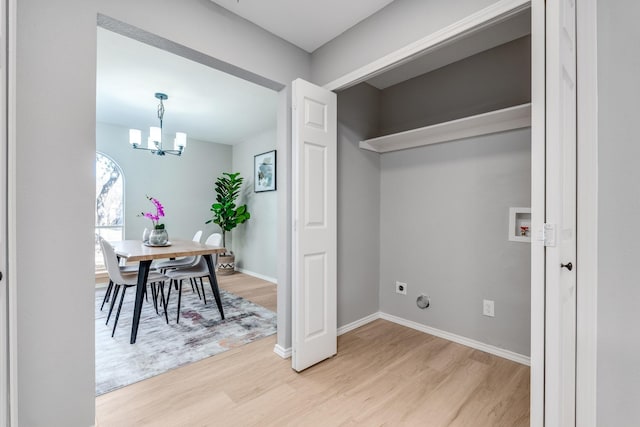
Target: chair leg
pixel 154 295
pixel 113 302
pixel 179 301
pixel 191 280
pixel 124 289
pixel 164 302
pixel 107 294
pixel 201 286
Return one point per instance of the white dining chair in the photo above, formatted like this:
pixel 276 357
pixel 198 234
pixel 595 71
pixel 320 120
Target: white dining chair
pixel 123 279
pixel 193 273
pixel 183 262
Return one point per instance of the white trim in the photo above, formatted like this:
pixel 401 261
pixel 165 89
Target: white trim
pixel 4 310
pixel 486 17
pixel 360 322
pixel 516 117
pixel 538 200
pixel 587 225
pixel 285 353
pixel 258 275
pixel 487 348
pixel 12 215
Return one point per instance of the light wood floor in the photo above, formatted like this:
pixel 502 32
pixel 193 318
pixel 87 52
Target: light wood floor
pixel 384 374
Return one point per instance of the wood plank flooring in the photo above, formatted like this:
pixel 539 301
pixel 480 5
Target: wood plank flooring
pixel 384 375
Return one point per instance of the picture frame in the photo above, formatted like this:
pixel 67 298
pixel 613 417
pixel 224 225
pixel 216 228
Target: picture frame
pixel 264 172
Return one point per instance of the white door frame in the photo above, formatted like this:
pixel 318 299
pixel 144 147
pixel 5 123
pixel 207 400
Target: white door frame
pixel 587 226
pixel 8 342
pixel 4 306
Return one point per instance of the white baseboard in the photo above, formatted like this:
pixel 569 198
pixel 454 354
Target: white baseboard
pixel 497 351
pixel 285 353
pixel 360 322
pixel 258 275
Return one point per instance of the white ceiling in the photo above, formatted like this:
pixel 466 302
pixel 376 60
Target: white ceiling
pixel 307 24
pixel 205 103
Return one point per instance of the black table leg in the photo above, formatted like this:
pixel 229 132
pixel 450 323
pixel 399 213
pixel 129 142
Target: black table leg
pixel 214 283
pixel 143 273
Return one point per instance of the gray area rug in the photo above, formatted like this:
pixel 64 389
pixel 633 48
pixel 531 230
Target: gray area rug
pixel 160 347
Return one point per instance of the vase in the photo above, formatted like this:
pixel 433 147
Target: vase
pixel 145 236
pixel 158 237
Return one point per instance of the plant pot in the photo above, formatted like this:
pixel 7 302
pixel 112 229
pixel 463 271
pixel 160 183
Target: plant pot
pixel 158 237
pixel 226 264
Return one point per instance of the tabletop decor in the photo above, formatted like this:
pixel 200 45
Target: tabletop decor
pixel 158 235
pixel 264 166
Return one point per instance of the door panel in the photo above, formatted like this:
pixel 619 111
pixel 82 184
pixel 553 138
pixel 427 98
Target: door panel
pixel 560 348
pixel 314 196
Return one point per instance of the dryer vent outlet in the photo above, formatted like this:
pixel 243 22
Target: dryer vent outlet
pixel 423 301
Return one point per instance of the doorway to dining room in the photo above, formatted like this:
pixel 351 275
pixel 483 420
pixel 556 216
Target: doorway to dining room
pixel 230 123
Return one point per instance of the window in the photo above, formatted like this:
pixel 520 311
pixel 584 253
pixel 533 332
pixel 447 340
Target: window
pixel 109 204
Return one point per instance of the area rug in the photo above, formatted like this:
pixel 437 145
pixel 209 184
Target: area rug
pixel 160 347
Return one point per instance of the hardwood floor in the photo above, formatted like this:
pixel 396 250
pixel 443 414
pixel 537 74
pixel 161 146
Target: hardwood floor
pixel 383 374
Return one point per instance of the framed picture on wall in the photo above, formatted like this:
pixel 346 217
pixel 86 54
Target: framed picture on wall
pixel 264 176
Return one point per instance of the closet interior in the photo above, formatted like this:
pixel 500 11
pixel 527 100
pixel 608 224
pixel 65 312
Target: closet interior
pixel 434 172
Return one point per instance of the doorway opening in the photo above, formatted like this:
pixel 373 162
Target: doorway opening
pixel 229 120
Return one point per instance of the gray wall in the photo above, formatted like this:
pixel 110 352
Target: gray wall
pixel 494 79
pixel 55 193
pixel 184 185
pixel 255 242
pixel 56 59
pixel 444 221
pixel 400 23
pixel 618 380
pixel 358 205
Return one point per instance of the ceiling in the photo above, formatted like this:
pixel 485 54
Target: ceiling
pixel 307 24
pixel 207 104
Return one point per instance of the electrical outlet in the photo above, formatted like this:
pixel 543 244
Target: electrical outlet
pixel 487 308
pixel 401 288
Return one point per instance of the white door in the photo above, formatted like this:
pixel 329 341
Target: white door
pixel 314 198
pixel 560 326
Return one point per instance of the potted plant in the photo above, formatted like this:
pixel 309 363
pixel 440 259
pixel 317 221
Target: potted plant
pixel 227 215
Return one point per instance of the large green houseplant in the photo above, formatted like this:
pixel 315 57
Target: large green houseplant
pixel 225 212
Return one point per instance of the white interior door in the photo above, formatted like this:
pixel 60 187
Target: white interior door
pixel 560 341
pixel 314 246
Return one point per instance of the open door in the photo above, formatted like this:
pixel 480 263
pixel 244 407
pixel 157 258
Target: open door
pixel 560 273
pixel 314 246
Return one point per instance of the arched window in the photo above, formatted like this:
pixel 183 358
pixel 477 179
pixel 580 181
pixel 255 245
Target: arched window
pixel 109 203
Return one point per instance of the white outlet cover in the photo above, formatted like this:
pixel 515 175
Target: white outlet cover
pixel 488 308
pixel 401 288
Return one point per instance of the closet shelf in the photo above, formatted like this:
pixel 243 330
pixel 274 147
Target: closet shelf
pixel 482 124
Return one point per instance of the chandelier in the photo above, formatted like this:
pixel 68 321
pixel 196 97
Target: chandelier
pixel 154 141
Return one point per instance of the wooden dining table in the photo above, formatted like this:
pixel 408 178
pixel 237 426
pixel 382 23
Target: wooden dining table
pixel 135 250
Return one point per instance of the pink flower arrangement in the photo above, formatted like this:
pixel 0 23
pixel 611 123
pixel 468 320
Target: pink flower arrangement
pixel 155 218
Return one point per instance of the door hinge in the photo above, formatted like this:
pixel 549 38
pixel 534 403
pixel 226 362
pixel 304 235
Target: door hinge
pixel 548 235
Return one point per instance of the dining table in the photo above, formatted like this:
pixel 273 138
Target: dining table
pixel 136 250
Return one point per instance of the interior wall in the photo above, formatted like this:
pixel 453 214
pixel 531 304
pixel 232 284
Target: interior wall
pixel 54 197
pixel 444 222
pixel 491 80
pixel 255 242
pixel 358 205
pixel 184 185
pixel 618 375
pixel 55 183
pixel 393 27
